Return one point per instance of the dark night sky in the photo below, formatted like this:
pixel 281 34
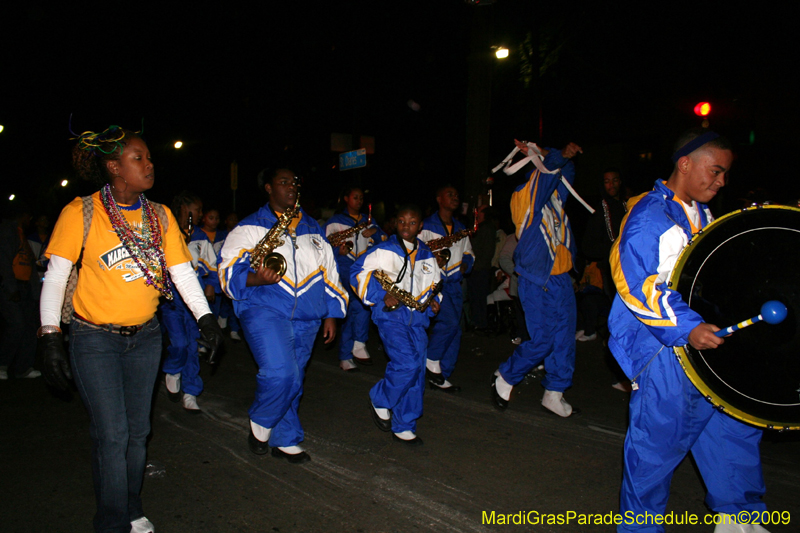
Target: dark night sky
pixel 246 83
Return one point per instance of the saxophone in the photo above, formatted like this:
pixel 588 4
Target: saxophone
pixel 337 239
pixel 404 297
pixel 441 246
pixel 262 255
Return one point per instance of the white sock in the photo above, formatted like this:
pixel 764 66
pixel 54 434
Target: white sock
pixel 406 435
pixel 260 432
pixel 383 414
pixel 433 366
pixel 291 450
pixel 358 344
pixel 445 385
pixel 502 387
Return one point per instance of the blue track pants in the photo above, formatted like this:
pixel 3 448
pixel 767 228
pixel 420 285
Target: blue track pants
pixel 445 334
pixel 281 348
pixel 403 384
pixel 669 418
pixel 550 315
pixel 183 333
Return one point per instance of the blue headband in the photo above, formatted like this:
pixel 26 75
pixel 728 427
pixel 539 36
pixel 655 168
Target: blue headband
pixel 693 145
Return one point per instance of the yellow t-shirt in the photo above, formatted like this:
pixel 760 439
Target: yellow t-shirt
pixel 111 288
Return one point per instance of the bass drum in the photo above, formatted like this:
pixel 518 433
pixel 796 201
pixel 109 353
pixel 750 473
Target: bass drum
pixel 725 274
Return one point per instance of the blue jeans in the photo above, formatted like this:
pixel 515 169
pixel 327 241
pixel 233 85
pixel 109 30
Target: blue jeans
pixel 115 376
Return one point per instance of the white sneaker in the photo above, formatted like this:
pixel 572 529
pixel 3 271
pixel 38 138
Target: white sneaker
pixel 360 351
pixel 31 373
pixel 516 340
pixel 223 322
pixel 235 336
pixel 142 525
pixel 731 527
pixel 190 403
pixel 578 334
pixel 347 365
pixel 555 402
pixel 4 372
pixel 584 338
pixel 173 383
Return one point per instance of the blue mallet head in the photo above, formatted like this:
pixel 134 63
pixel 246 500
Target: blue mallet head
pixel 773 312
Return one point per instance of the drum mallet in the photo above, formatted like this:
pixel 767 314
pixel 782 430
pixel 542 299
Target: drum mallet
pixel 772 312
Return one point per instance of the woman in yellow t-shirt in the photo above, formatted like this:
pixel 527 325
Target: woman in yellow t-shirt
pixel 133 254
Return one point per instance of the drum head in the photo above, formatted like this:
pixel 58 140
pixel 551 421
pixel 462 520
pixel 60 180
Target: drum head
pixel 726 274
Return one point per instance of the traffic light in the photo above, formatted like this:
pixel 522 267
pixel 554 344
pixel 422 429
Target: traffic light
pixel 703 109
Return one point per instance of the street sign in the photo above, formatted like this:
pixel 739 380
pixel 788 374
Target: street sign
pixel 354 159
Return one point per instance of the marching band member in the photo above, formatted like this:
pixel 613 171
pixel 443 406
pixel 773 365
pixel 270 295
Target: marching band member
pixel 543 258
pixel 456 261
pixel 669 417
pixel 357 233
pixel 281 313
pixel 182 365
pixel 396 400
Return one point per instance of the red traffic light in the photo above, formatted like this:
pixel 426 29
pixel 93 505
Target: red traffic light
pixel 703 109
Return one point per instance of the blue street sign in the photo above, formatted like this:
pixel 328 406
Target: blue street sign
pixel 354 159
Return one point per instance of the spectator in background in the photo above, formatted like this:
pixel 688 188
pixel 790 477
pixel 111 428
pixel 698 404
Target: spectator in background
pixel 601 231
pixel 479 281
pixel 19 286
pixel 38 239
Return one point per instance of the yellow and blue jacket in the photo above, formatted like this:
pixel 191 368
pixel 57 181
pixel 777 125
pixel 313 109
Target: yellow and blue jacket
pixel 460 252
pixel 546 244
pixel 204 258
pixel 341 222
pixel 309 290
pixel 420 275
pixel 646 314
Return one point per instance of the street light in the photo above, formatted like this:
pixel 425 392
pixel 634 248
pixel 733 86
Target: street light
pixel 64 183
pixel 501 52
pixel 12 197
pixel 178 145
pixel 1 128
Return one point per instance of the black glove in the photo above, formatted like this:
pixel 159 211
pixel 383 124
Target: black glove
pixel 210 337
pixel 56 364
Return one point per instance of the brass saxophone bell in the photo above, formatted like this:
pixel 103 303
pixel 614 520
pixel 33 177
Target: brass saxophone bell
pixel 444 254
pixel 348 246
pixel 275 261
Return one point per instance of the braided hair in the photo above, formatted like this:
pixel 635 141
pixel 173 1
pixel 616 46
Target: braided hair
pixel 93 150
pixel 184 198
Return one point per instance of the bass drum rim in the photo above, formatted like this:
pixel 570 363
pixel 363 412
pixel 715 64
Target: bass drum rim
pixel 682 352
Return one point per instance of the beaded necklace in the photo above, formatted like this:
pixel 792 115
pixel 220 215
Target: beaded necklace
pixel 146 249
pixel 607 216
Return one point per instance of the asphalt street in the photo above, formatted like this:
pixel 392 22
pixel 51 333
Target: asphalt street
pixel 476 460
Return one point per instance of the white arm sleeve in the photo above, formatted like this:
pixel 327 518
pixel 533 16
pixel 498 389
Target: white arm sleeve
pixel 55 283
pixel 185 280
